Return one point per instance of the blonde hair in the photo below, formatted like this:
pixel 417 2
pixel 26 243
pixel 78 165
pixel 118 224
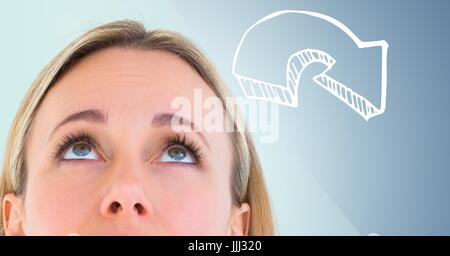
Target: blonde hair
pixel 247 180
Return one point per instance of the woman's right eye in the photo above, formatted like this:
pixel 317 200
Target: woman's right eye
pixel 80 151
pixel 177 154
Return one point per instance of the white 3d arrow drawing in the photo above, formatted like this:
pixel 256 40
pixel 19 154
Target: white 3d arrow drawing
pixel 287 94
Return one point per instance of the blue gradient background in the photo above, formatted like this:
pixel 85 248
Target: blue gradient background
pixel 331 173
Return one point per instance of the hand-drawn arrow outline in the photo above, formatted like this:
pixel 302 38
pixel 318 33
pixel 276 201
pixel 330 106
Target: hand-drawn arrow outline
pixel 298 61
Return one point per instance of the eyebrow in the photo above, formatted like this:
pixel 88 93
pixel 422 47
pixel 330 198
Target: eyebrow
pixel 90 115
pixel 159 120
pixel 166 119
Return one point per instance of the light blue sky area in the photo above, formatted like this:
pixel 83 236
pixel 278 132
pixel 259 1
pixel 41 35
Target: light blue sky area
pixel 331 172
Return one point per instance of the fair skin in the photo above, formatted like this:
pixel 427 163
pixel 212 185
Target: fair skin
pixel 137 179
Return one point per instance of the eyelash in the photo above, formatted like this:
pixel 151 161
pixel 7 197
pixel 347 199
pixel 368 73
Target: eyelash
pixel 190 145
pixel 176 140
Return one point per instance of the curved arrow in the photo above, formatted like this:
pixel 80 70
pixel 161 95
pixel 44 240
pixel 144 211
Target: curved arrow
pixel 287 95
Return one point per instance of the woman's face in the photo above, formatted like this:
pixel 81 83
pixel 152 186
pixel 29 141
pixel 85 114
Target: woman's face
pixel 103 159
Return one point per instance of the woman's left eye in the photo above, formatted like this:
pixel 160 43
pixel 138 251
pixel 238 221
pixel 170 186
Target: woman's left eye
pixel 177 154
pixel 80 151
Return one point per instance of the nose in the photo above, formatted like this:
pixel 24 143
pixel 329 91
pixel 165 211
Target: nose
pixel 125 198
pixel 116 208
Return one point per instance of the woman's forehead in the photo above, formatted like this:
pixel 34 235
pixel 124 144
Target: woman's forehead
pixel 130 87
pixel 126 81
